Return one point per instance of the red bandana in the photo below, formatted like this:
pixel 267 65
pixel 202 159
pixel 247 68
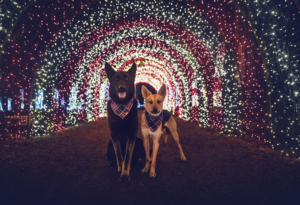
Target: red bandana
pixel 153 121
pixel 121 110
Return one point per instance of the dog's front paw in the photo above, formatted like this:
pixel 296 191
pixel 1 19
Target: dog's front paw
pixel 152 174
pixel 124 178
pixel 145 170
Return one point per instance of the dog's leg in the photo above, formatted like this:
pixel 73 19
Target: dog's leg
pixel 125 175
pixel 171 124
pixel 147 152
pixel 118 152
pixel 176 138
pixel 154 155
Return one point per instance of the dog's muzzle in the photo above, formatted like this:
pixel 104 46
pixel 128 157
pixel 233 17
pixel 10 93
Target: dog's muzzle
pixel 122 91
pixel 154 111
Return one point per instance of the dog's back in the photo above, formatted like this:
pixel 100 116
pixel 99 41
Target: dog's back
pixel 166 116
pixel 165 130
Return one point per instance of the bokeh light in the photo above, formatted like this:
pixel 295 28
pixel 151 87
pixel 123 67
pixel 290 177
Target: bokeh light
pixel 229 65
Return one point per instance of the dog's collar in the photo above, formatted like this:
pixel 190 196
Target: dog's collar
pixel 153 122
pixel 121 110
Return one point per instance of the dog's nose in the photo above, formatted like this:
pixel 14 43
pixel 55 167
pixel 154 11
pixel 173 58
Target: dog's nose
pixel 154 110
pixel 122 88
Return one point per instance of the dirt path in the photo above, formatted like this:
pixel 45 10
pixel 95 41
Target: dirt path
pixel 71 168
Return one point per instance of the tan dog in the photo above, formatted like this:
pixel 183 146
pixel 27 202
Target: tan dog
pixel 153 120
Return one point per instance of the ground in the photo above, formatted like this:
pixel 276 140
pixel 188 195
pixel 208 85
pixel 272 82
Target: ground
pixel 71 168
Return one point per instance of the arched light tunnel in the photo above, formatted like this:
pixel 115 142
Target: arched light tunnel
pixel 229 65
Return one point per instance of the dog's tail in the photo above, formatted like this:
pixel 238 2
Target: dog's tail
pixel 165 134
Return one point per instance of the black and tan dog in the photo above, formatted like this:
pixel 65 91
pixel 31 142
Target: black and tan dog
pixel 122 116
pixel 154 122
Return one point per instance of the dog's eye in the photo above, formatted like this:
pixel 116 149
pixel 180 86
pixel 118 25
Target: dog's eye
pixel 158 102
pixel 117 79
pixel 150 102
pixel 126 78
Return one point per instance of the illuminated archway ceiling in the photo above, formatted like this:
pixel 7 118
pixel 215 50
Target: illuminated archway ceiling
pixel 198 48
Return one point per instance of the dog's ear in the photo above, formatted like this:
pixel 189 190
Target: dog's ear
pixel 132 70
pixel 163 91
pixel 109 71
pixel 145 92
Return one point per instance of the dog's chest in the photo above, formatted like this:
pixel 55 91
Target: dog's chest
pixel 147 130
pixel 121 110
pixel 157 133
pixel 151 134
pixel 153 122
pixel 127 124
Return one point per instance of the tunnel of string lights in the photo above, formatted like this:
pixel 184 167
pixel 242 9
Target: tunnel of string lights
pixel 231 65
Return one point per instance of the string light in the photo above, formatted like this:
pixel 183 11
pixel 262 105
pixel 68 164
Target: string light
pixel 224 66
